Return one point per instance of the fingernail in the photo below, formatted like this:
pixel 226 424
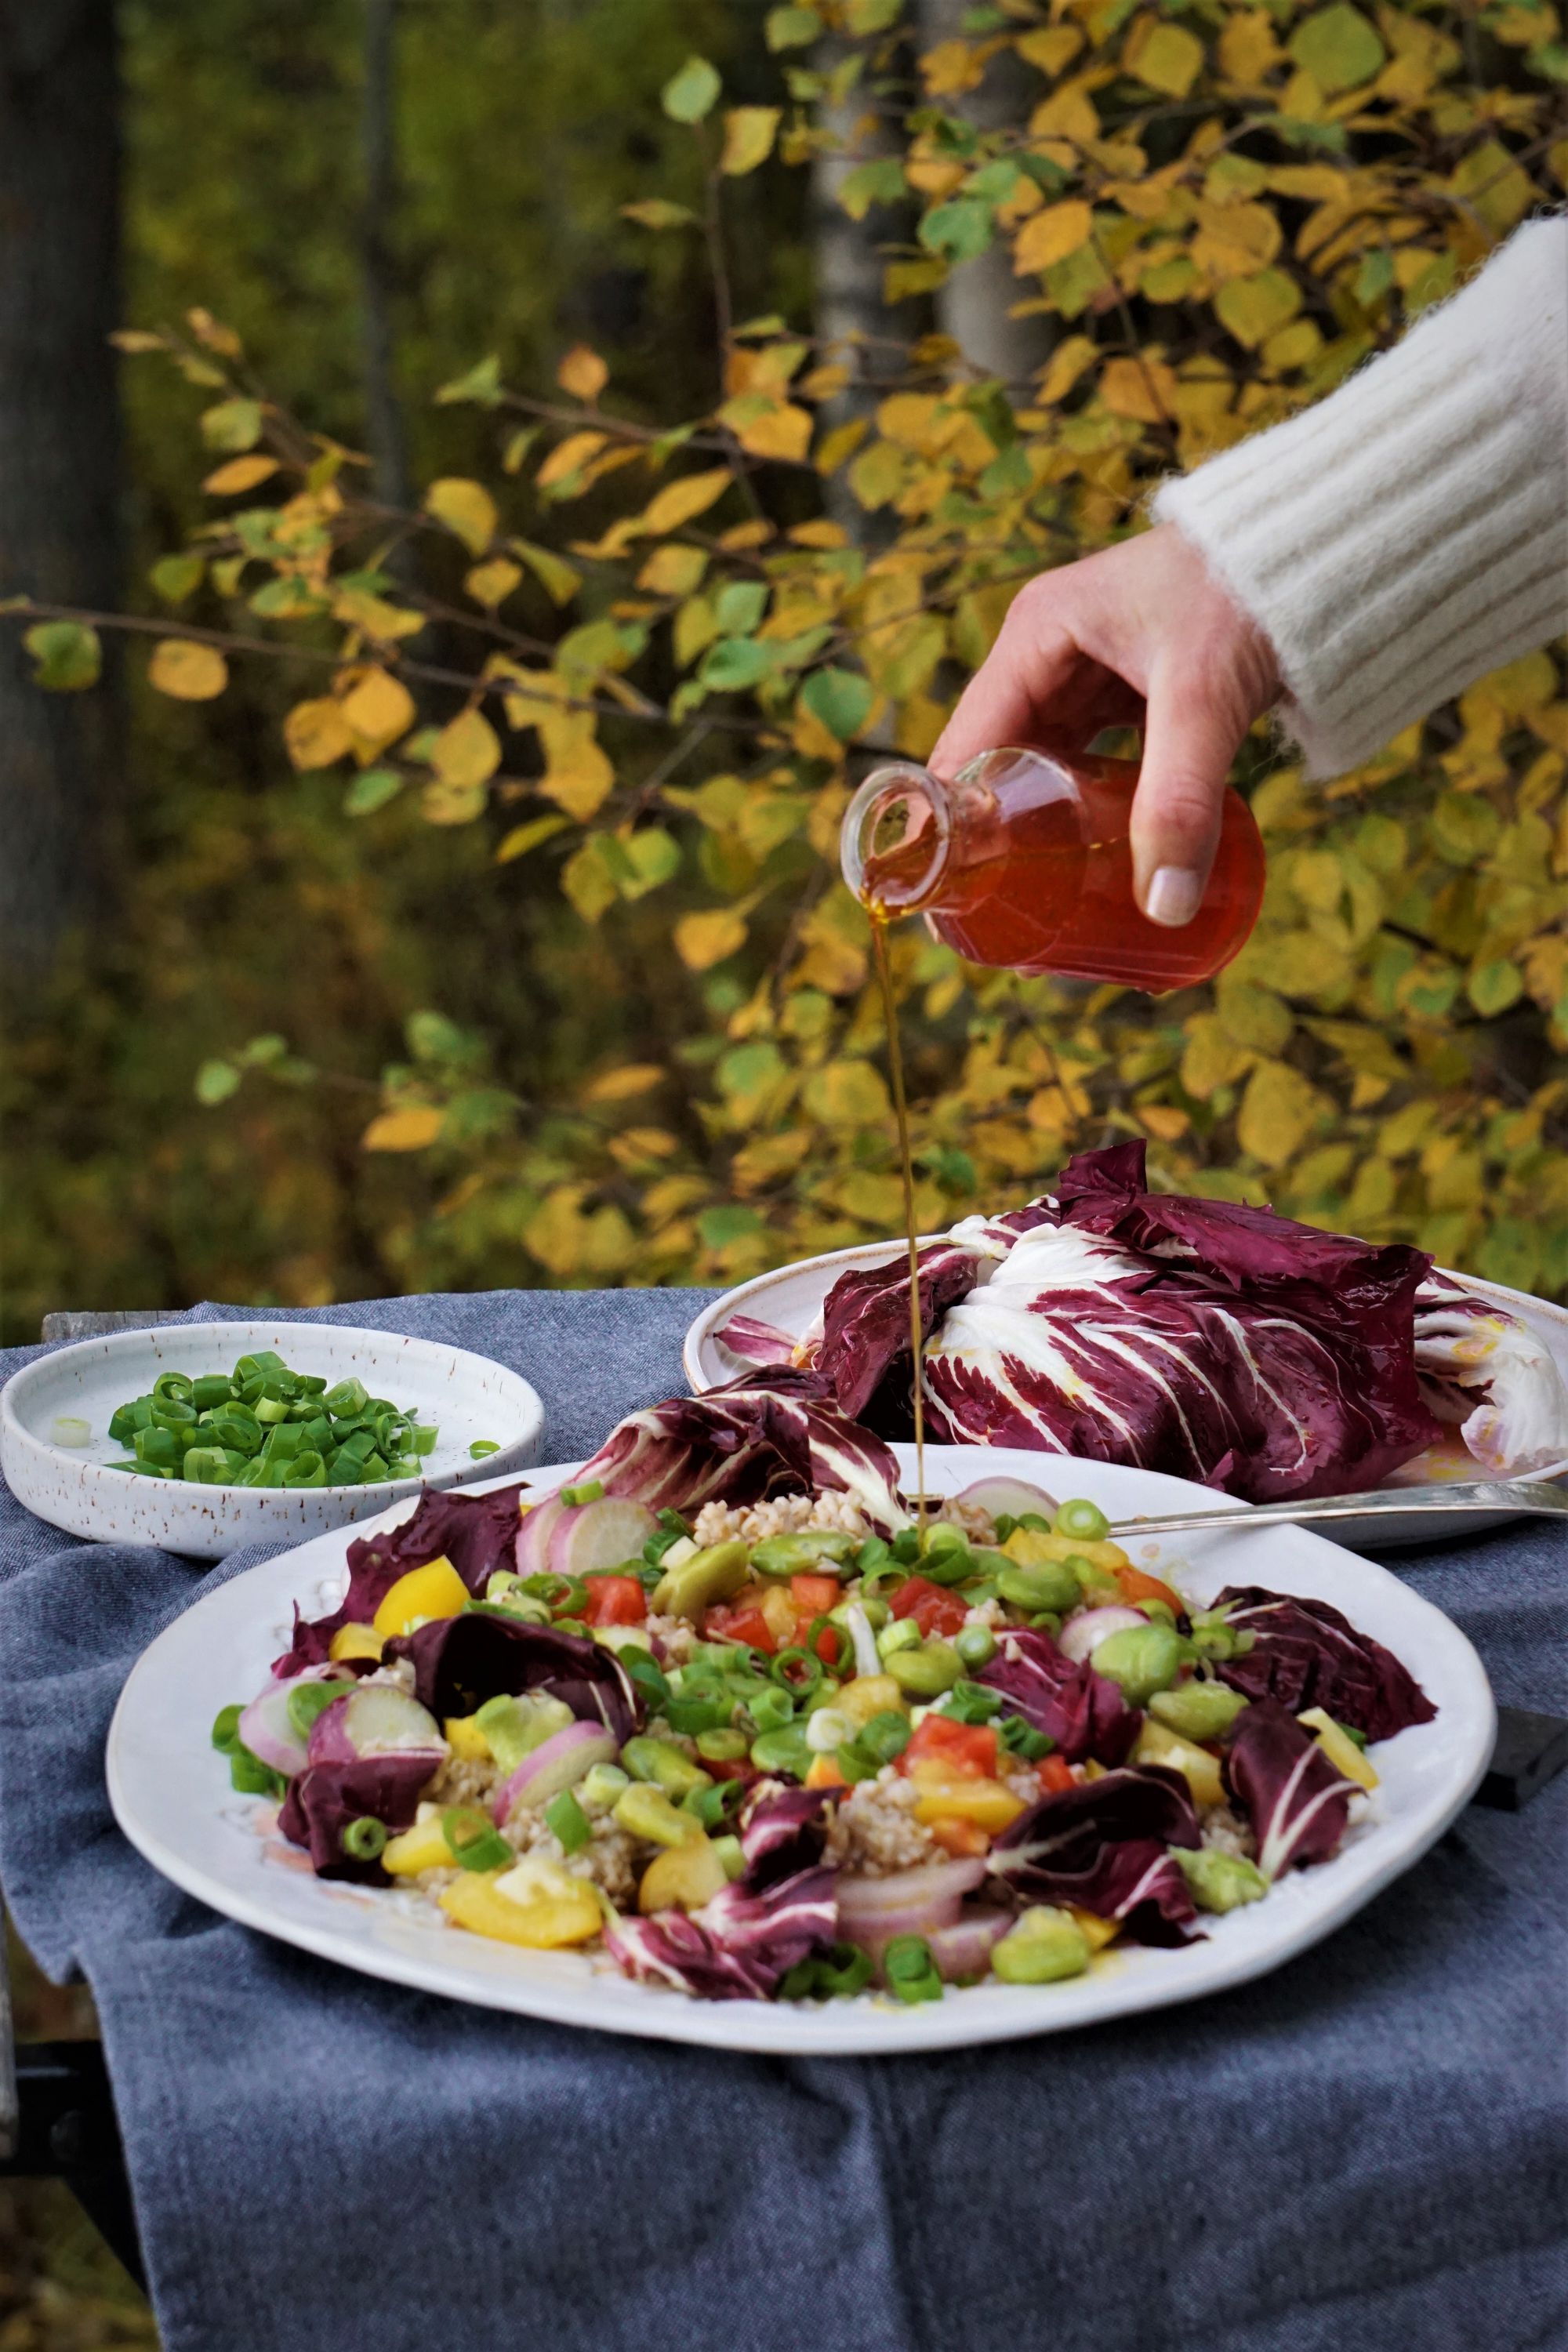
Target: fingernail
pixel 1174 895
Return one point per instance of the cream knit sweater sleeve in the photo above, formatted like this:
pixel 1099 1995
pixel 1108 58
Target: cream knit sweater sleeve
pixel 1410 532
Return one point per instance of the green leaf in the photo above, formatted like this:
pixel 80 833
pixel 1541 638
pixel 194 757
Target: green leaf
pixel 740 606
pixel 734 664
pixel 371 790
pixel 233 425
pixel 555 575
pixel 960 230
pixel 658 212
pixel 68 655
pixel 524 838
pixel 481 384
pixel 880 182
pixel 691 93
pixel 433 1038
pixel 174 576
pixel 1495 985
pixel 651 857
pixel 840 700
pixel 216 1081
pixel 731 1222
pixel 1338 47
pixel 792 29
pixel 1374 278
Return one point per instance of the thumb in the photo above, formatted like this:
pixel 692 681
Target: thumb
pixel 1190 739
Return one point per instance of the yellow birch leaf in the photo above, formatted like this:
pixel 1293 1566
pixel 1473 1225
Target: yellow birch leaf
pixel 1276 1113
pixel 1067 115
pixel 1052 48
pixel 577 776
pixel 380 709
pixel 1169 58
pixel 1066 365
pixel 1234 240
pixel 444 804
pixel 402 1130
pixel 316 733
pixel 704 939
pixel 186 670
pixel 1252 307
pixel 240 474
pixel 953 66
pixel 784 431
pixel 466 752
pixel 847 1093
pixel 557 578
pixel 682 501
pixel 582 374
pixel 1051 236
pixel 1144 390
pixel 1494 186
pixel 1247 48
pixel 466 508
pixel 569 457
pixel 749 133
pixel 618 1084
pixel 672 571
pixel 491 583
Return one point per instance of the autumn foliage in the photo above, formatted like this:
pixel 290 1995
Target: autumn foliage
pixel 648 656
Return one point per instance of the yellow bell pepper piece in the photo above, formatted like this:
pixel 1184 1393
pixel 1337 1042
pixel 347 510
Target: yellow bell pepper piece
pixel 475 1901
pixel 781 1614
pixel 1098 1931
pixel 1342 1752
pixel 683 1877
pixel 986 1803
pixel 466 1740
pixel 435 1591
pixel 423 1847
pixel 1157 1744
pixel 355 1641
pixel 870 1694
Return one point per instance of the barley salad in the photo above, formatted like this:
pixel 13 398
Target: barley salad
pixel 733 1714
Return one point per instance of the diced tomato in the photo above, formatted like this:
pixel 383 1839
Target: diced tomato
pixel 1137 1585
pixel 732 1767
pixel 935 1609
pixel 965 1750
pixel 615 1600
pixel 824 1773
pixel 739 1620
pixel 814 1596
pixel 961 1839
pixel 1055 1774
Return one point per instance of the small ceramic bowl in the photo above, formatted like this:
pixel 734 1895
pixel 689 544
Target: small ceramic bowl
pixel 466 1397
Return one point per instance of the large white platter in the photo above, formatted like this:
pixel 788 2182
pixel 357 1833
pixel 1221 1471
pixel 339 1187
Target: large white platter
pixel 791 1299
pixel 170 1795
pixel 466 1397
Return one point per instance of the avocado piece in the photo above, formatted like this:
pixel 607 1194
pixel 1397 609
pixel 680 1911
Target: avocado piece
pixel 709 1575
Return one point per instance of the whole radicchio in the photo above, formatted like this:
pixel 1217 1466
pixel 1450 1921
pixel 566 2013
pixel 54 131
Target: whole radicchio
pixel 1304 1655
pixel 475 1532
pixel 772 1432
pixel 1083 1712
pixel 1103 1847
pixel 740 1945
pixel 460 1662
pixel 1297 1802
pixel 325 1798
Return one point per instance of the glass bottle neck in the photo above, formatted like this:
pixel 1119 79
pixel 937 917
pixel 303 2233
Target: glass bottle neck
pixel 907 836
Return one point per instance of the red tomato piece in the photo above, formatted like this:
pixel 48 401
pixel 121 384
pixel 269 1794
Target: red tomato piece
pixel 966 1750
pixel 731 1621
pixel 1055 1774
pixel 814 1596
pixel 935 1609
pixel 615 1600
pixel 1137 1585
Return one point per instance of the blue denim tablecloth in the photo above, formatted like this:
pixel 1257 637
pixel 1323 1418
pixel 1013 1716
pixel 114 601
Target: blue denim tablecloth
pixel 1366 2150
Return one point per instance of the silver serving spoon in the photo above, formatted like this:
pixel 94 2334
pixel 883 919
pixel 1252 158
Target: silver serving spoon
pixel 1466 1496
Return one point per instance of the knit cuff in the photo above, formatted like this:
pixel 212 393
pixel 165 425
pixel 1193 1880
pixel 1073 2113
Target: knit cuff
pixel 1409 533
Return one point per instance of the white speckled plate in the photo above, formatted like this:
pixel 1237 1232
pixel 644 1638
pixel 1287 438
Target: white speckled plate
pixel 465 1396
pixel 172 1797
pixel 791 1299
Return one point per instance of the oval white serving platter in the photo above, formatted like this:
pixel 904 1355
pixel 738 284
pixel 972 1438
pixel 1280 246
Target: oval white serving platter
pixel 791 1299
pixel 466 1397
pixel 171 1796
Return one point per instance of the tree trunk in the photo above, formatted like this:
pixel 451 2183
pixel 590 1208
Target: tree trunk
pixel 973 305
pixel 386 437
pixel 59 458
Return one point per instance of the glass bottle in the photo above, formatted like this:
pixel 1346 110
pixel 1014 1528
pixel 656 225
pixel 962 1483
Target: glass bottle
pixel 1024 861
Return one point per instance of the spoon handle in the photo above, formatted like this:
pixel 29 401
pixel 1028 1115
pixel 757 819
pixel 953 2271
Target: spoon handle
pixel 1458 1501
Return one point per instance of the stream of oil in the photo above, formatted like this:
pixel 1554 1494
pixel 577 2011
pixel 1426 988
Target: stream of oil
pixel 906 1169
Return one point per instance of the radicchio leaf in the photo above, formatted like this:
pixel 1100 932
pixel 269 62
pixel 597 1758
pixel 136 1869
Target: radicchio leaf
pixel 1083 1712
pixel 782 1832
pixel 1483 1368
pixel 774 1431
pixel 1102 1846
pixel 739 1946
pixel 460 1662
pixel 865 1343
pixel 1305 1654
pixel 755 1342
pixel 1297 1802
pixel 475 1532
pixel 325 1798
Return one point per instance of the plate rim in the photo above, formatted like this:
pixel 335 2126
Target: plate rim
pixel 851 2029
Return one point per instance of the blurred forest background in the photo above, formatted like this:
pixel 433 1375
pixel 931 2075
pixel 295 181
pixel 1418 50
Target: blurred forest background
pixel 558 443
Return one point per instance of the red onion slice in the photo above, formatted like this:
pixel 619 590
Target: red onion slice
pixel 557 1763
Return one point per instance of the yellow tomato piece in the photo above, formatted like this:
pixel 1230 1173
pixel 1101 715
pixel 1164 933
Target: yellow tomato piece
pixel 684 1877
pixel 355 1641
pixel 870 1694
pixel 475 1901
pixel 1157 1744
pixel 1030 1547
pixel 1099 1932
pixel 986 1803
pixel 1342 1752
pixel 824 1773
pixel 421 1848
pixel 782 1616
pixel 433 1591
pixel 466 1740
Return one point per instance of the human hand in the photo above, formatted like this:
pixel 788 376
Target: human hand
pixel 1141 635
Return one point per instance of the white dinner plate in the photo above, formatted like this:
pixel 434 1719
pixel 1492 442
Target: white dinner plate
pixel 171 1796
pixel 791 1299
pixel 465 1396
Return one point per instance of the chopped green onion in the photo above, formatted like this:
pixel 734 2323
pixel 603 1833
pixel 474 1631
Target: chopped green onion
pixel 265 1426
pixel 348 1398
pixel 1021 1738
pixel 591 1491
pixel 481 1447
pixel 844 1971
pixel 797 1671
pixel 308 1700
pixel 471 1841
pixel 365 1840
pixel 69 1429
pixel 1083 1520
pixel 225 1728
pixel 249 1776
pixel 971 1703
pixel 885 1736
pixel 571 1824
pixel 910 1971
pixel 422 1436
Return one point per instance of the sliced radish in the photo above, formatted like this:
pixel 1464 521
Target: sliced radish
pixel 1008 1498
pixel 266 1731
pixel 919 1902
pixel 534 1536
pixel 592 1536
pixel 558 1763
pixel 375 1719
pixel 1083 1634
pixel 964 1948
